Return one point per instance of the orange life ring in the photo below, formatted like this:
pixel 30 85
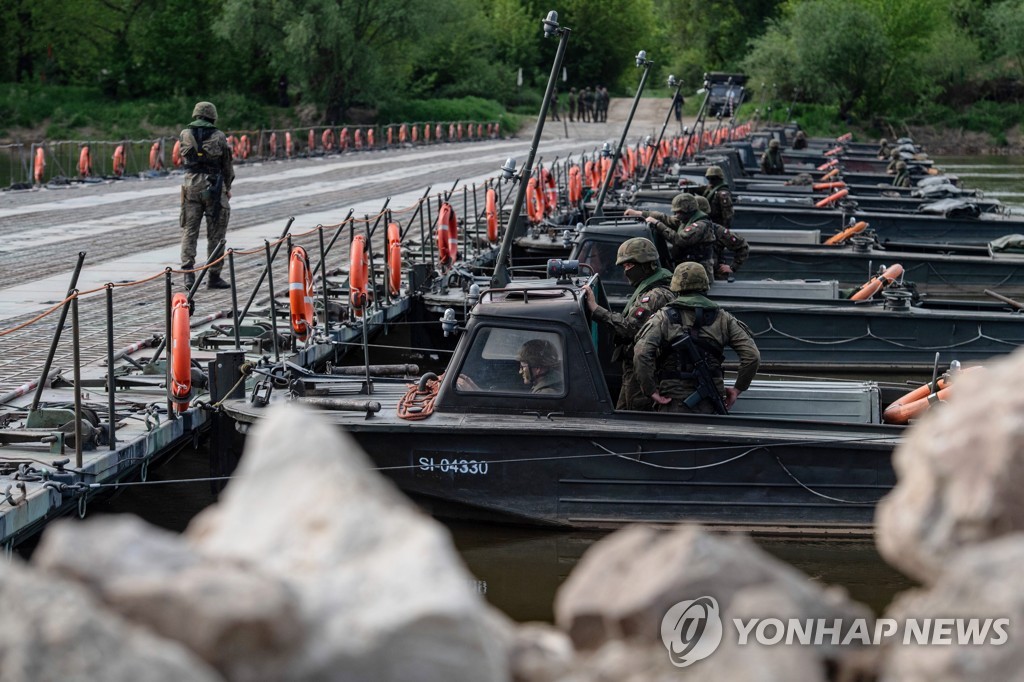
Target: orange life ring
pixel 491 211
pixel 832 198
pixel 343 139
pixel 831 174
pixel 84 162
pixel 300 294
pixel 246 146
pixel 394 258
pixel 358 139
pixel 288 146
pixel 438 132
pixel 180 352
pixel 119 160
pixel 550 191
pixel 39 165
pixel 575 185
pixel 451 132
pixel 415 132
pixel 845 137
pixel 821 186
pixel 273 145
pixel 369 138
pixel 846 234
pixel 878 282
pixel 447 234
pixel 833 151
pixel 534 201
pixel 426 134
pixel 829 164
pixel 403 133
pixel 327 140
pixel 359 267
pixel 155 162
pixel 176 154
pixel 310 143
pixel 915 403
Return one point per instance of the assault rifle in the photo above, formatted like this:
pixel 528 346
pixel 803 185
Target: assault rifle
pixel 702 372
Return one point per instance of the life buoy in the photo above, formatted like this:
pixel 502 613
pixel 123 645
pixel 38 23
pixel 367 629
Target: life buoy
pixel 403 133
pixel 438 132
pixel 845 137
pixel 156 163
pixel 39 165
pixel 176 154
pixel 343 139
pixel 119 160
pixel 357 139
pixel 857 228
pixel 822 186
pixel 451 132
pixel 479 130
pixel 833 151
pixel 370 138
pixel 447 234
pixel 415 132
pixel 84 162
pixel 289 147
pixel 575 185
pixel 389 137
pixel 394 258
pixel 878 282
pixel 831 174
pixel 915 403
pixel 829 164
pixel 273 145
pixel 246 144
pixel 310 143
pixel 606 165
pixel 300 294
pixel 359 266
pixel 234 147
pixel 832 198
pixel 550 191
pixel 180 352
pixel 534 201
pixel 491 211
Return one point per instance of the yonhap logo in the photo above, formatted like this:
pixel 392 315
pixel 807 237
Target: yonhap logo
pixel 691 630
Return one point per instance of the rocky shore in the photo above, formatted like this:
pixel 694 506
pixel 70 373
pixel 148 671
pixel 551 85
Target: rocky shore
pixel 313 567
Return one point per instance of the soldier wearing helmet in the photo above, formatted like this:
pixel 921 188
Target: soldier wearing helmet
pixel 800 140
pixel 689 232
pixel 719 197
pixel 894 158
pixel 639 259
pixel 771 160
pixel 726 240
pixel 540 366
pixel 205 190
pixel 682 346
pixel 902 177
pixel 883 149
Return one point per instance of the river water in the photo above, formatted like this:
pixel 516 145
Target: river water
pixel 518 569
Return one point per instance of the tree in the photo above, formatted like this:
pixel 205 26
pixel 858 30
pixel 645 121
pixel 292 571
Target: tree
pixel 1006 23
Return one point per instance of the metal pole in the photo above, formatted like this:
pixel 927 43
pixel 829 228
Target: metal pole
pixel 501 276
pixel 56 334
pixel 323 270
pixel 373 275
pixel 661 135
pixel 77 357
pixel 598 210
pixel 259 282
pixel 337 233
pixel 273 303
pixel 234 298
pixel 111 384
pixel 191 293
pixel 171 412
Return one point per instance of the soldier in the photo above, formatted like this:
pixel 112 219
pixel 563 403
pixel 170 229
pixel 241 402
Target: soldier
pixel 586 101
pixel 894 158
pixel 205 190
pixel 771 160
pixel 554 105
pixel 688 231
pixel 572 104
pixel 718 195
pixel 726 239
pixel 639 258
pixel 679 351
pixel 883 149
pixel 540 367
pixel 902 177
pixel 602 103
pixel 800 140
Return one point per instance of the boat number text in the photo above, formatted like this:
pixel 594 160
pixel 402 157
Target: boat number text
pixel 453 466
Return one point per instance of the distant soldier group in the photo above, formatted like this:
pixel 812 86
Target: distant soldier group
pixel 589 104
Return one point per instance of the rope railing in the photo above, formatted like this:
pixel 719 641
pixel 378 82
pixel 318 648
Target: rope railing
pixel 60 162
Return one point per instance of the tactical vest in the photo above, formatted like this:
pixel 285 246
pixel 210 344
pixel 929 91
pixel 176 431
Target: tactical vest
pixel 702 252
pixel 196 160
pixel 684 363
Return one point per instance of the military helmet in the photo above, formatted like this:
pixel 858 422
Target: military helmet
pixel 895 154
pixel 684 203
pixel 689 276
pixel 714 172
pixel 774 144
pixel 883 142
pixel 703 204
pixel 205 110
pixel 538 353
pixel 901 165
pixel 636 250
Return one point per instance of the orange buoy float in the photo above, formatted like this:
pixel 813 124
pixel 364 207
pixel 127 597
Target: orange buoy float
pixel 831 174
pixel 84 162
pixel 534 201
pixel 357 138
pixel 273 145
pixel 878 282
pixel 438 132
pixel 310 143
pixel 39 165
pixel 300 294
pixel 403 133
pixel 288 146
pixel 915 403
pixel 415 133
pixel 156 161
pixel 180 352
pixel 119 160
pixel 327 140
pixel 575 185
pixel 343 139
pixel 831 163
pixel 491 211
pixel 246 146
pixel 550 191
pixel 370 138
pixel 822 186
pixel 447 234
pixel 394 258
pixel 359 266
pixel 176 154
pixel 856 228
pixel 832 198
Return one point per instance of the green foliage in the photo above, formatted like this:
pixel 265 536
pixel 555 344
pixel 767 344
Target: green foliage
pixel 1006 23
pixel 464 109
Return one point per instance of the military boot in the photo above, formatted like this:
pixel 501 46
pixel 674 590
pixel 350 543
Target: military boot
pixel 190 280
pixel 217 282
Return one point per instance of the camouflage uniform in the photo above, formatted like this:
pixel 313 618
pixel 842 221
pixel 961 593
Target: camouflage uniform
pixel 800 140
pixel 660 368
pixel 894 158
pixel 207 165
pixel 538 353
pixel 771 160
pixel 689 232
pixel 726 240
pixel 649 295
pixel 883 149
pixel 719 197
pixel 902 177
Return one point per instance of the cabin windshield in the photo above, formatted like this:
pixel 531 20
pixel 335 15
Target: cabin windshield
pixel 516 361
pixel 601 257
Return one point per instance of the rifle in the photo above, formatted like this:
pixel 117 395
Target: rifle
pixel 215 190
pixel 706 389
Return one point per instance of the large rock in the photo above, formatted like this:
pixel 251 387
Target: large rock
pixel 235 617
pixel 960 472
pixel 625 584
pixel 981 582
pixel 382 593
pixel 55 630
